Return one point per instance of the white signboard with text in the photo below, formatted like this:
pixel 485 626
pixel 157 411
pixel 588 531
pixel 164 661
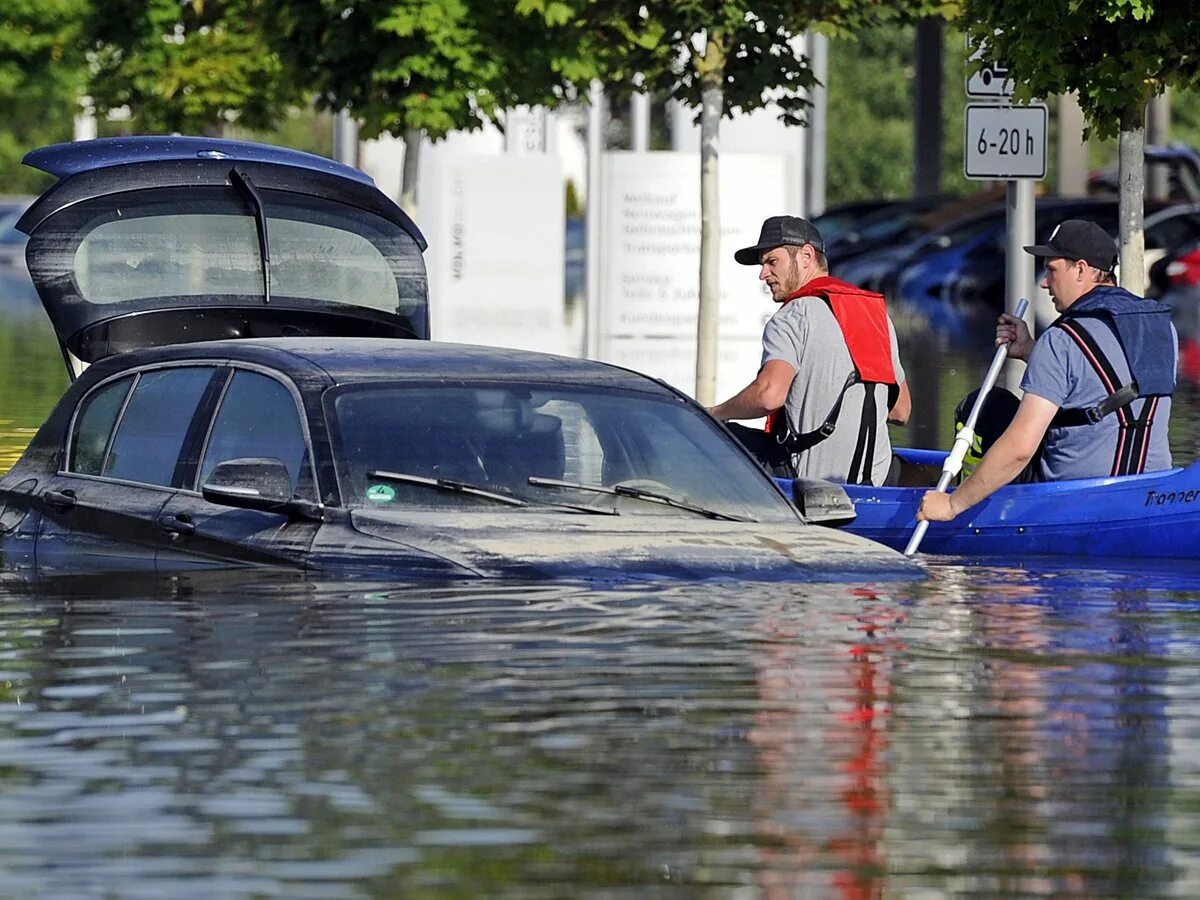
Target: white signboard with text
pixel 1005 142
pixel 495 228
pixel 650 257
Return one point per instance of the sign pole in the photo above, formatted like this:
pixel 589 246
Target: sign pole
pixel 1019 268
pixel 1006 142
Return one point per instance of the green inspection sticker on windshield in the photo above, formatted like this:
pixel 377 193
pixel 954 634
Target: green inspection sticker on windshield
pixel 381 493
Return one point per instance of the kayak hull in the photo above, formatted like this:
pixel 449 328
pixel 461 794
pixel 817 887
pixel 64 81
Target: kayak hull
pixel 1156 515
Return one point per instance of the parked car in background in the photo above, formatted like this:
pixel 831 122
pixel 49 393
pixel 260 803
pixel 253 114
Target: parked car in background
pixel 838 219
pixel 954 277
pixel 245 327
pixel 1175 280
pixel 980 280
pixel 897 223
pixel 877 270
pixel 1181 162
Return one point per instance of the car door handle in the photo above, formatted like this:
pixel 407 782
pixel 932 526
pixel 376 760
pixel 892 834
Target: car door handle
pixel 177 525
pixel 60 500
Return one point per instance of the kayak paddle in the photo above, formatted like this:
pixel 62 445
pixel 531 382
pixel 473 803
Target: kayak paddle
pixel 966 434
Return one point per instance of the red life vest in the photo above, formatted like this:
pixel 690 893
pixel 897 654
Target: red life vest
pixel 862 317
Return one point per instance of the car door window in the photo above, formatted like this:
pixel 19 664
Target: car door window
pixel 155 423
pixel 258 419
pixel 94 425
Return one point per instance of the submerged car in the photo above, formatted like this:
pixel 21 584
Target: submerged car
pixel 235 318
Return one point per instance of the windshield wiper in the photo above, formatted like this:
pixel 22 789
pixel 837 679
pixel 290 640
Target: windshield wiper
pixel 446 484
pixel 462 487
pixel 249 193
pixel 622 490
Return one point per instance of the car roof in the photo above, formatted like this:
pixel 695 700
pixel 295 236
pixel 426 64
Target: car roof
pixel 354 359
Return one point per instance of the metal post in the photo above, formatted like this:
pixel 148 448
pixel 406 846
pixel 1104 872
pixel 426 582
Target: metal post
pixel 639 122
pixel 1072 148
pixel 797 190
pixel 927 109
pixel 345 138
pixel 818 54
pixel 85 121
pixel 1019 271
pixel 595 148
pixel 1158 133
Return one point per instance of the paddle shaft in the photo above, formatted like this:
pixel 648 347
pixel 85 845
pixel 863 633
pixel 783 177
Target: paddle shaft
pixel 966 434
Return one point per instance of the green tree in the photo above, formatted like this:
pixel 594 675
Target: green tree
pixel 870 96
pixel 188 66
pixel 408 67
pixel 41 79
pixel 722 56
pixel 1116 54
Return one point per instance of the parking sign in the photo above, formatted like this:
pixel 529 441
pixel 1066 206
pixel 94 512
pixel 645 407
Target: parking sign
pixel 991 78
pixel 1005 142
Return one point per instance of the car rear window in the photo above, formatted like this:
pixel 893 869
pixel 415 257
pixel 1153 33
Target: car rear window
pixel 202 243
pixel 184 255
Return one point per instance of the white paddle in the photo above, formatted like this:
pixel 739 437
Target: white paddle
pixel 966 434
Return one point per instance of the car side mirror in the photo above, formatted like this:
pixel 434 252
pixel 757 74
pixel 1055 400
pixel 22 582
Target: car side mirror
pixel 256 483
pixel 820 502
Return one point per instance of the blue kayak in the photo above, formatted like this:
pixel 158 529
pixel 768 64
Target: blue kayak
pixel 1152 515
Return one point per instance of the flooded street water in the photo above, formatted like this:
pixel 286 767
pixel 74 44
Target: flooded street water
pixel 991 731
pixel 994 730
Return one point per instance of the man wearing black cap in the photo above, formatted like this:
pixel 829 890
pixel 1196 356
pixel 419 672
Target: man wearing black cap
pixel 830 377
pixel 1098 385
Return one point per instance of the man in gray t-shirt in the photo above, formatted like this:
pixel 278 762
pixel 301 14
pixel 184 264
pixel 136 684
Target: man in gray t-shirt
pixel 830 378
pixel 1097 389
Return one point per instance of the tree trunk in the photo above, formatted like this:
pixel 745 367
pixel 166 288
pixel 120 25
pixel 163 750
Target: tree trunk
pixel 1131 169
pixel 712 100
pixel 408 177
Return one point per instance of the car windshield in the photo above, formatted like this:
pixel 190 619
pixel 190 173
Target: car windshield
pixel 554 447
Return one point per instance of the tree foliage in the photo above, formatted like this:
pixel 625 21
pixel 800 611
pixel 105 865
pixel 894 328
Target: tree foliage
pixel 432 65
pixel 1116 54
pixel 675 48
pixel 186 65
pixel 41 77
pixel 870 95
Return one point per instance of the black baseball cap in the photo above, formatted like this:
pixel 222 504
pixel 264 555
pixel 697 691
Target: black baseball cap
pixel 1079 239
pixel 778 231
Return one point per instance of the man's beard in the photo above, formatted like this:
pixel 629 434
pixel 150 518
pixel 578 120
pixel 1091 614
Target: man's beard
pixel 786 287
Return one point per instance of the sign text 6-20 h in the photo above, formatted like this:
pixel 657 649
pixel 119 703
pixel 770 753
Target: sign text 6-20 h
pixel 1007 141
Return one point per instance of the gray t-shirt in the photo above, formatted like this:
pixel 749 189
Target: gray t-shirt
pixel 804 334
pixel 1059 372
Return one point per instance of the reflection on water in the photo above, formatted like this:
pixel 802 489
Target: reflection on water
pixel 995 732
pixel 32 376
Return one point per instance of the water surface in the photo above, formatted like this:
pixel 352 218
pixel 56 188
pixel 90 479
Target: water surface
pixel 992 730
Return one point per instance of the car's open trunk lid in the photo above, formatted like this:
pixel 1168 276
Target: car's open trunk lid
pixel 155 240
